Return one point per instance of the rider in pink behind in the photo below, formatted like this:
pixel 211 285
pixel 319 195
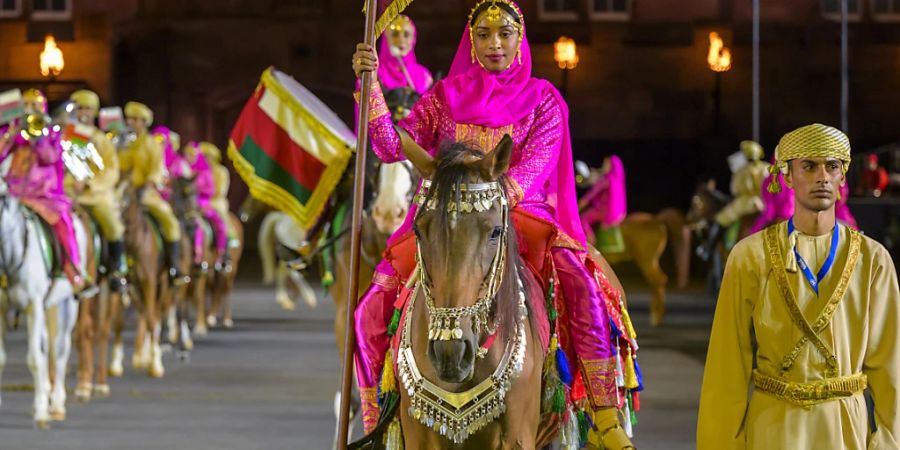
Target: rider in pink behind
pixel 35 178
pixel 206 189
pixel 479 106
pixel 605 203
pixel 390 71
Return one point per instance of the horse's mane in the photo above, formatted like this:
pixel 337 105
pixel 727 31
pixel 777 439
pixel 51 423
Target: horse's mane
pixel 452 171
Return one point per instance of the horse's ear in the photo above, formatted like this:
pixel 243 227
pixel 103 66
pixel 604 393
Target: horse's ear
pixel 497 162
pixel 420 159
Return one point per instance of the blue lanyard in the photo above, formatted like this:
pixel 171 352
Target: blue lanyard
pixel 814 280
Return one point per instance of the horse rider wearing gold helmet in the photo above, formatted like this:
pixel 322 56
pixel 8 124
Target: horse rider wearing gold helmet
pixel 97 194
pixel 142 162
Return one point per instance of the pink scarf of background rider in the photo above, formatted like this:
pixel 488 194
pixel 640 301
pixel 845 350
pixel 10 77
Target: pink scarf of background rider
pixel 607 195
pixel 204 183
pixel 390 72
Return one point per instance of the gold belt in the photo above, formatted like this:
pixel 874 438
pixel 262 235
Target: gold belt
pixel 812 393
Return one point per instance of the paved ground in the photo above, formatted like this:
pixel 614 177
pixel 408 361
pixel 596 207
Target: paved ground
pixel 269 384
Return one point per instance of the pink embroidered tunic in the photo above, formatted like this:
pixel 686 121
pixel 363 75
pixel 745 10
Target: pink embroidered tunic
pixel 36 179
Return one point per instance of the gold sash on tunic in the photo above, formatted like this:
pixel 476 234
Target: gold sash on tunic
pixel 833 386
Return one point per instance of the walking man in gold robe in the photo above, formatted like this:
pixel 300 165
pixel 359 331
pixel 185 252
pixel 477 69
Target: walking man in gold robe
pixel 806 321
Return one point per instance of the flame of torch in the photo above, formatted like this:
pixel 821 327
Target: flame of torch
pixel 719 57
pixel 52 62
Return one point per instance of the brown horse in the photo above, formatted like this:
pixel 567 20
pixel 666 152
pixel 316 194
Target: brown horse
pixel 221 282
pixel 95 319
pixel 185 205
pixel 149 287
pixel 469 270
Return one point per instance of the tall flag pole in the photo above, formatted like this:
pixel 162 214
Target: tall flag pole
pixel 756 70
pixel 389 11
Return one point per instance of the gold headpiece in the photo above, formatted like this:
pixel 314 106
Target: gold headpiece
pixel 37 97
pixel 752 150
pixel 811 141
pixel 140 111
pixel 401 21
pixel 500 13
pixel 212 153
pixel 86 99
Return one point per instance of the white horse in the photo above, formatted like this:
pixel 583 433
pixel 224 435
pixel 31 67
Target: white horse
pixel 395 184
pixel 48 303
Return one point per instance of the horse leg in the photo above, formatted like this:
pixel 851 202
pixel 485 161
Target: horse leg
pixel 281 293
pixel 104 323
pixel 153 303
pixel 139 355
pixel 84 340
pixel 225 293
pixel 198 293
pixel 37 362
pixel 67 313
pixel 117 325
pixel 2 342
pixel 647 259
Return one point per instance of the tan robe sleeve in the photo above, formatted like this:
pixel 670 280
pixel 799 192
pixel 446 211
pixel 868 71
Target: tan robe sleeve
pixel 882 359
pixel 106 179
pixel 729 361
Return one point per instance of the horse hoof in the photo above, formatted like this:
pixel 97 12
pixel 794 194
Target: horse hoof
pixel 115 370
pixel 200 330
pixel 656 319
pixel 58 416
pixel 101 390
pixel 42 424
pixel 286 304
pixel 188 344
pixel 83 394
pixel 211 321
pixel 138 363
pixel 228 323
pixel 156 372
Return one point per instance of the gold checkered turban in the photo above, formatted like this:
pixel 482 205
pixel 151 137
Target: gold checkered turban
pixel 811 141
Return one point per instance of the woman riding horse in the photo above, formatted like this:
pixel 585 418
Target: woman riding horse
pixel 36 179
pixel 490 93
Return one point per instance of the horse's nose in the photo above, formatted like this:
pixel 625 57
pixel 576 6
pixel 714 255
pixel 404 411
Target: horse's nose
pixel 453 360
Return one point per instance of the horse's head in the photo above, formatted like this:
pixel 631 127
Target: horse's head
pixel 705 203
pixel 466 252
pixel 395 182
pixel 184 194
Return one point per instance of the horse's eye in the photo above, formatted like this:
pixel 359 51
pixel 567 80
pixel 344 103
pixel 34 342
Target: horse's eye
pixel 496 233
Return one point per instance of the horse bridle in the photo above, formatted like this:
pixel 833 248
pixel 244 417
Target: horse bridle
pixel 444 323
pixel 458 415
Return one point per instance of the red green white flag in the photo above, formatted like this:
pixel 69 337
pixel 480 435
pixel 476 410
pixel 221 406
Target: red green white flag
pixel 289 147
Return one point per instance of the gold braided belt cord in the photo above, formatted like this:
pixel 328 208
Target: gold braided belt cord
pixel 812 393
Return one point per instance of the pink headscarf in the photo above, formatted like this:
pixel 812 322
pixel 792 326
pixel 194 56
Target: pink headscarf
pixel 475 96
pixel 390 72
pixel 616 207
